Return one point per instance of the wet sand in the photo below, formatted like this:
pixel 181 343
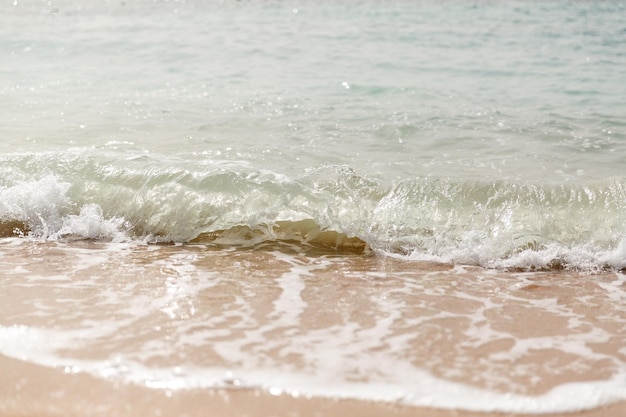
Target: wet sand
pixel 27 390
pixel 68 310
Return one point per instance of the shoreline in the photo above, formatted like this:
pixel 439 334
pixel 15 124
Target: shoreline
pixel 47 392
pixel 449 334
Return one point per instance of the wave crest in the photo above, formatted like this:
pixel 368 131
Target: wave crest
pixel 496 224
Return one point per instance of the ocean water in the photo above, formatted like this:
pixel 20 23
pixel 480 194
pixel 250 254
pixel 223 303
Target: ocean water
pixel 477 134
pixel 472 132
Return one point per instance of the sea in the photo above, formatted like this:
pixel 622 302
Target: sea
pixel 345 199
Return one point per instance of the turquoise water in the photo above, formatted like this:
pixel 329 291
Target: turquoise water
pixel 482 133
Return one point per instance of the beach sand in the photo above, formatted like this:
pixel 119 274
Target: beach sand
pixel 69 310
pixel 29 390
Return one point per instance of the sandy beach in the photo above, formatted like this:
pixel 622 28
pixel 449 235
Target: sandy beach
pixel 93 329
pixel 27 390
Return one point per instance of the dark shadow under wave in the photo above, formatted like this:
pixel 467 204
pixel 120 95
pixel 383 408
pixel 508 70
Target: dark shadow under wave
pixel 304 233
pixel 11 228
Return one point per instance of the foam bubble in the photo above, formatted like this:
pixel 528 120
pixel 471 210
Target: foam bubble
pixel 616 258
pixel 39 204
pixel 91 224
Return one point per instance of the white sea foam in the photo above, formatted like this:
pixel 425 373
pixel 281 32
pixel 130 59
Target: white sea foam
pixel 40 204
pixel 90 224
pixel 403 383
pixel 578 257
pixel 51 208
pixel 158 291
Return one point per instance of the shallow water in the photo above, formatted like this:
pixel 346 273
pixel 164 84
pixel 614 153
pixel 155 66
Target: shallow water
pixel 272 317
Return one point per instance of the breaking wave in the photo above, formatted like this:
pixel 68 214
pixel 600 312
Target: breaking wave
pixel 496 224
